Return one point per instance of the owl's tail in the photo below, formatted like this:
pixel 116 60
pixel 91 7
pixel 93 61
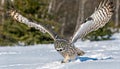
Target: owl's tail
pixel 80 52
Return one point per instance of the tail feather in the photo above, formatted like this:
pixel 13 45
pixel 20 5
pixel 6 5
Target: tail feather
pixel 80 52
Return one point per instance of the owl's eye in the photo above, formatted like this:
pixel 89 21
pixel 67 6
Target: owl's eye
pixel 59 49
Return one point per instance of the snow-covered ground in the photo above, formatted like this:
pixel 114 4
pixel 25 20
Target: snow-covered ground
pixel 99 55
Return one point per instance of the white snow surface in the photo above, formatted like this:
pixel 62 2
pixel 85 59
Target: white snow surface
pixel 99 55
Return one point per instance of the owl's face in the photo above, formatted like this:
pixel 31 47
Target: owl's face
pixel 66 49
pixel 61 44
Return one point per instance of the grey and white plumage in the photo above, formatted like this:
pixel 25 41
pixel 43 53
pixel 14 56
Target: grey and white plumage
pixel 97 20
pixel 66 47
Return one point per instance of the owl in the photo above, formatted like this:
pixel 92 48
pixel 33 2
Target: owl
pixel 67 48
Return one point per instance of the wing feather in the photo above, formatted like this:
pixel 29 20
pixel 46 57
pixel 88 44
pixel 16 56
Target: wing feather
pixel 97 20
pixel 17 16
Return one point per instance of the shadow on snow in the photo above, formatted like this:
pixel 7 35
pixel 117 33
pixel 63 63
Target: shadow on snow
pixel 82 59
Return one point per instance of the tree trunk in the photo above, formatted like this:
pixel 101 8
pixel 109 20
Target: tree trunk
pixel 81 15
pixel 117 13
pixel 66 13
pixel 2 9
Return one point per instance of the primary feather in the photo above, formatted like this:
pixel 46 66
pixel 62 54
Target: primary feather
pixel 97 20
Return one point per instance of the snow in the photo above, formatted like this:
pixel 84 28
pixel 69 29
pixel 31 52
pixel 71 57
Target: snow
pixel 99 55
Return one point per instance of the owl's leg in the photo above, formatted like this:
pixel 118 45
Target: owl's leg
pixel 66 59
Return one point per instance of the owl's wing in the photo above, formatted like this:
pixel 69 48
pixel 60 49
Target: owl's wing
pixel 20 18
pixel 97 20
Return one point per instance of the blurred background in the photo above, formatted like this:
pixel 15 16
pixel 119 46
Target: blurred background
pixel 63 16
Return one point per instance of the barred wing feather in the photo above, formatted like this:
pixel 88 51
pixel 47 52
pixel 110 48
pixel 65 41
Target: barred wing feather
pixel 97 20
pixel 26 21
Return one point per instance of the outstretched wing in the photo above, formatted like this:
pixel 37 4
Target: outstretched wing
pixel 97 20
pixel 22 19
